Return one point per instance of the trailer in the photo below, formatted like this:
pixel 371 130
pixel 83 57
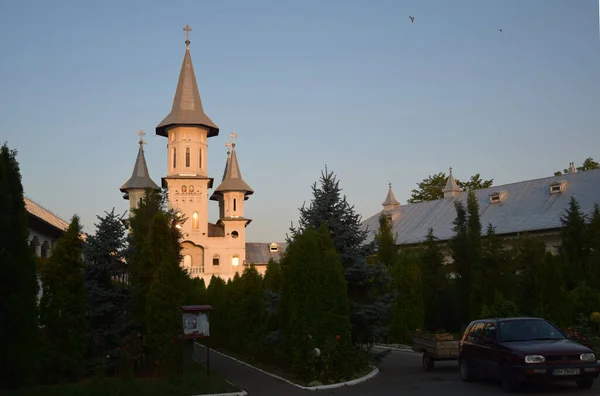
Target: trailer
pixel 434 348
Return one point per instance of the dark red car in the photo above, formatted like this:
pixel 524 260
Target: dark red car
pixel 517 350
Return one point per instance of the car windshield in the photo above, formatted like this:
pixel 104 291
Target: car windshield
pixel 528 330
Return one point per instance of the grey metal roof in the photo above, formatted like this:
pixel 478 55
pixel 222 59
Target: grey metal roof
pixel 526 206
pixel 232 178
pixel 37 210
pixel 390 199
pixel 259 253
pixel 187 105
pixel 140 178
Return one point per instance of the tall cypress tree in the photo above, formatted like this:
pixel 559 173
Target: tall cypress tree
pixel 593 262
pixel 474 237
pixel 433 282
pixel 574 246
pixel 387 248
pixel 459 245
pixel 63 307
pixel 166 292
pixel 369 304
pixel 18 282
pixel 407 311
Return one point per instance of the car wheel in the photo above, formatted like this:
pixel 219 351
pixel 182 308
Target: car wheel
pixel 585 383
pixel 428 362
pixel 465 370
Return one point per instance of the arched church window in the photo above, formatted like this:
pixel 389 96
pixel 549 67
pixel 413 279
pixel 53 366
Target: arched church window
pixel 187 157
pixel 34 243
pixel 195 221
pixel 234 204
pixel 191 189
pixel 200 158
pixel 183 189
pixel 235 261
pixel 45 249
pixel 174 157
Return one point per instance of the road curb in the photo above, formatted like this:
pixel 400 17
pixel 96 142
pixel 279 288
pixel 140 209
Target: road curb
pixel 372 374
pixel 393 348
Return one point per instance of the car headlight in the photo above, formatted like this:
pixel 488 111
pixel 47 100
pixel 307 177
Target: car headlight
pixel 588 357
pixel 534 359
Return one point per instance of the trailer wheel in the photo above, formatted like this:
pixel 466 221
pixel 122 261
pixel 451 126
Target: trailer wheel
pixel 428 362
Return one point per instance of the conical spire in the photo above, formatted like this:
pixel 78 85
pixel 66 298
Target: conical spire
pixel 390 201
pixel 140 178
pixel 187 105
pixel 232 177
pixel 452 189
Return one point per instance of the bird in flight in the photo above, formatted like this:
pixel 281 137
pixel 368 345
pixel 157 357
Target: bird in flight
pixel 412 19
pixel 500 30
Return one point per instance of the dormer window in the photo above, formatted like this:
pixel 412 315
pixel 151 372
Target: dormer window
pixel 497 196
pixel 558 187
pixel 273 247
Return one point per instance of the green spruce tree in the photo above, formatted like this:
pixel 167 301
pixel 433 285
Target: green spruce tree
pixel 63 307
pixel 216 295
pixel 108 297
pixel 460 246
pixel 366 283
pixel 593 260
pixel 18 281
pixel 476 289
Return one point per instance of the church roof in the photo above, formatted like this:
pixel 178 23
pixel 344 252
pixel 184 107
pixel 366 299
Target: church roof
pixel 390 199
pixel 527 206
pixel 37 210
pixel 259 253
pixel 232 177
pixel 187 105
pixel 140 178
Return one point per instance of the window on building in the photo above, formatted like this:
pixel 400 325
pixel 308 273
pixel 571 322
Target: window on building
pixel 235 261
pixel 200 158
pixel 183 189
pixel 187 157
pixel 174 157
pixel 191 189
pixel 216 259
pixel 235 234
pixel 34 243
pixel 195 221
pixel 45 249
pixel 234 204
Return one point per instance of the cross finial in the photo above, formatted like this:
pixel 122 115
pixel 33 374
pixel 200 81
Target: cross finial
pixel 187 30
pixel 390 184
pixel 228 145
pixel 141 133
pixel 450 170
pixel 233 136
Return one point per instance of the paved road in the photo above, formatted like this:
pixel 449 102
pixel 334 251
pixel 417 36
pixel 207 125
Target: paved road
pixel 399 373
pixel 402 373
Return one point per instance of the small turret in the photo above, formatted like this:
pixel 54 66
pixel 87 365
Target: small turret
pixel 390 202
pixel 133 189
pixel 452 189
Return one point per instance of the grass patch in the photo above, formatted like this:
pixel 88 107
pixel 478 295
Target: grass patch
pixel 196 383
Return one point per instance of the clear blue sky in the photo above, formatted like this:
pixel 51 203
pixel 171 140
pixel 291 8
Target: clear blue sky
pixel 353 85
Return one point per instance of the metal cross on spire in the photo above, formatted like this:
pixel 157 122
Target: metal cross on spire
pixel 233 136
pixel 228 145
pixel 141 133
pixel 450 170
pixel 187 30
pixel 390 184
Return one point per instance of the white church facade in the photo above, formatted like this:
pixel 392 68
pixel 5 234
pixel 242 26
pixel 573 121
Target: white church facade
pixel 208 249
